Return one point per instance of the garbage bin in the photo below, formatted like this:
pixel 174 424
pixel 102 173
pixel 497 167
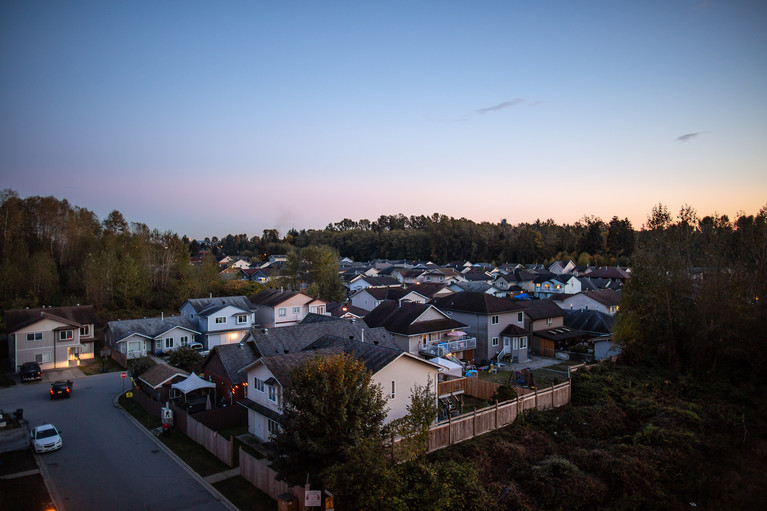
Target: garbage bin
pixel 19 415
pixel 287 502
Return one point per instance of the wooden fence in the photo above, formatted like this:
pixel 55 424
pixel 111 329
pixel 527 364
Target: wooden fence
pixel 259 474
pixel 481 389
pixel 496 416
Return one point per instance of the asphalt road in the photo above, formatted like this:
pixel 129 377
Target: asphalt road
pixel 106 462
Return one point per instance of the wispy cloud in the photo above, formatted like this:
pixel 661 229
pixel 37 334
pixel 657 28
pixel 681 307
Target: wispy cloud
pixel 688 136
pixel 500 106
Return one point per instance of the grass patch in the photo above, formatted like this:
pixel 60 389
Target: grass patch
pixel 245 496
pixel 25 494
pixel 17 461
pixel 95 366
pixel 193 454
pixel 138 413
pixel 233 431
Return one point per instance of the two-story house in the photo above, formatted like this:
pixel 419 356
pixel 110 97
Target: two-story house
pixel 602 300
pixel 51 336
pixel 371 297
pixel 423 328
pixel 278 308
pixel 135 338
pixel 488 318
pixel 395 371
pixel 220 320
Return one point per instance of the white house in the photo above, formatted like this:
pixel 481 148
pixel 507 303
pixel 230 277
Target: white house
pixel 135 338
pixel 395 371
pixel 220 320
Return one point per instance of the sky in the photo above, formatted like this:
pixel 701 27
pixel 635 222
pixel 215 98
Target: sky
pixel 215 118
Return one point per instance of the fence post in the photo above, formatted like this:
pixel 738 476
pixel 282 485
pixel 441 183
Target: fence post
pixel 496 414
pixel 552 395
pixel 536 397
pixel 474 424
pixel 449 429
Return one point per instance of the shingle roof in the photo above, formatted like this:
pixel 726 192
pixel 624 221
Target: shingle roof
pixel 272 297
pixel 292 339
pixel 160 374
pixel 234 358
pixel 374 356
pixel 207 306
pixel 513 329
pixel 401 319
pixel 149 327
pixel 608 297
pixel 476 302
pixel 540 309
pixel 590 321
pixel 16 319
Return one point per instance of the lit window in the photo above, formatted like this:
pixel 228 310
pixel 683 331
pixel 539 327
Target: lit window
pixel 35 336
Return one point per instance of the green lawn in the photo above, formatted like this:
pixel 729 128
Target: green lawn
pixel 95 366
pixel 245 496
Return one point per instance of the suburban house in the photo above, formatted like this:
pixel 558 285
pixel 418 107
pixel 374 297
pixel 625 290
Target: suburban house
pixel 220 320
pixel 225 365
pixel 487 317
pixel 135 338
pixel 395 371
pixel 543 314
pixel 157 380
pixel 602 300
pixel 423 328
pixel 369 298
pixel 599 326
pixel 51 336
pixel 277 308
pixel 560 267
pixel 549 285
pixel 346 310
pixel 362 281
pixel 260 275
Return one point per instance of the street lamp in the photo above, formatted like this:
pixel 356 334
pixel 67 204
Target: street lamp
pixel 105 352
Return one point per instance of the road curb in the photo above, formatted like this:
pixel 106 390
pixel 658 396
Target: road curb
pixel 216 494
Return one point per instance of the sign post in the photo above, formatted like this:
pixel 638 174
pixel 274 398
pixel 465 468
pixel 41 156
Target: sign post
pixel 123 375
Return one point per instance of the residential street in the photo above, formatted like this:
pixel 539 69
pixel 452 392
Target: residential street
pixel 106 461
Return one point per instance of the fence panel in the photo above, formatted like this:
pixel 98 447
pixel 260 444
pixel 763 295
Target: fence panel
pixel 259 474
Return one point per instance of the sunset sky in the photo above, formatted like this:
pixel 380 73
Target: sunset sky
pixel 211 118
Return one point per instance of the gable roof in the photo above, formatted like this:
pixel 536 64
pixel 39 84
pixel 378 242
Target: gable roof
pixel 161 374
pixel 477 303
pixel 291 339
pixel 378 281
pixel 540 309
pixel 402 319
pixel 77 315
pixel 149 327
pixel 607 297
pixel 590 321
pixel 274 297
pixel 208 306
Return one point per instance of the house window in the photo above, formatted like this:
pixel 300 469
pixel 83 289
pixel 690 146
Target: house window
pixel 296 310
pixel 259 384
pixel 559 286
pixel 515 343
pixel 523 343
pixel 321 309
pixel 494 320
pixel 520 317
pixel 549 321
pixel 272 393
pixel 393 389
pixel 282 312
pixel 423 341
pixel 220 320
pixel 495 341
pixel 66 335
pixel 547 286
pixel 169 342
pixel 241 319
pixel 184 340
pixel 272 427
pixel 85 331
pixel 35 336
pixel 43 358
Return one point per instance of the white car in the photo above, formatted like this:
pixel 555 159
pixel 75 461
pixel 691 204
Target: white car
pixel 45 438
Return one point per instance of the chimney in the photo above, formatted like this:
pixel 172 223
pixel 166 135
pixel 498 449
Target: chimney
pixel 162 316
pixel 363 335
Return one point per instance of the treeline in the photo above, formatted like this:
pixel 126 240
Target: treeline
pixel 54 253
pixel 696 299
pixel 442 239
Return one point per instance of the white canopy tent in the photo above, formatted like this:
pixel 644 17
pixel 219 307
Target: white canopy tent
pixel 451 368
pixel 192 382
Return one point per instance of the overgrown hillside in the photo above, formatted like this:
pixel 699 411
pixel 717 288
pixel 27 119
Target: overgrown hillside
pixel 634 438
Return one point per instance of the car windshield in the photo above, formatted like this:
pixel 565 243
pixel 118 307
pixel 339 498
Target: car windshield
pixel 46 433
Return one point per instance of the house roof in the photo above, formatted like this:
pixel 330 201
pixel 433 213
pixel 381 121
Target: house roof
pixel 149 327
pixel 234 358
pixel 427 289
pixel 338 309
pixel 514 330
pixel 561 333
pixel 590 321
pixel 607 297
pixel 261 409
pixel 477 303
pixel 274 297
pixel 380 281
pixel 292 339
pixel 609 272
pixel 161 374
pixel 540 309
pixel 402 319
pixel 16 319
pixel 208 306
pixel 385 293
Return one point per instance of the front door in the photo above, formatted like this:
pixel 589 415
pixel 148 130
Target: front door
pixel 73 355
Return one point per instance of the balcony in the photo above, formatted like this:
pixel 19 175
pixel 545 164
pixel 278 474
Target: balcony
pixel 443 348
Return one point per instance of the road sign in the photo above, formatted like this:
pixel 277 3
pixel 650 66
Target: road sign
pixel 312 498
pixel 123 374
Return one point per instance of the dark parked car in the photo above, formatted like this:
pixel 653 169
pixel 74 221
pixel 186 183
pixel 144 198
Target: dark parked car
pixel 30 371
pixel 61 388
